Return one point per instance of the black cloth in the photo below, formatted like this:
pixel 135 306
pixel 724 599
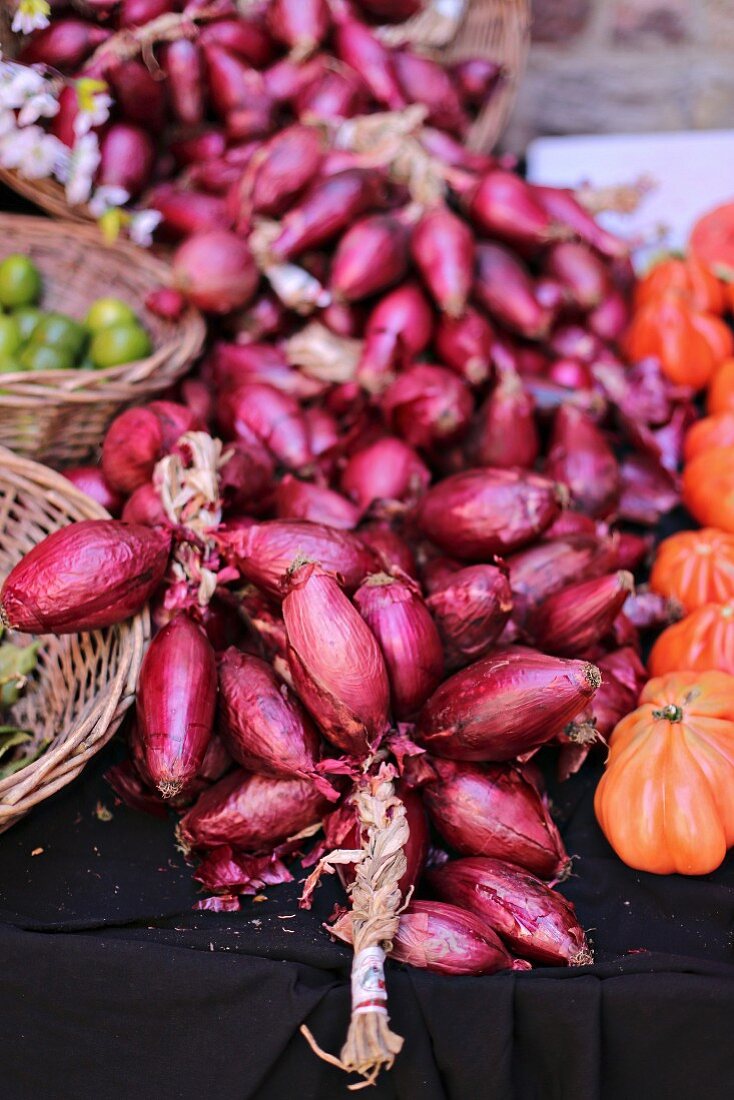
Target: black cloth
pixel 113 987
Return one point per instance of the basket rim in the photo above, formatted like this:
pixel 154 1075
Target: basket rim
pixel 183 345
pixel 87 734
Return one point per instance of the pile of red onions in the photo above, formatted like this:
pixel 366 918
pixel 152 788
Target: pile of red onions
pixel 416 540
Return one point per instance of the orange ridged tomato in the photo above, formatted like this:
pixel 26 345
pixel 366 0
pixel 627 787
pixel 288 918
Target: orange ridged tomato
pixel 695 568
pixel 702 641
pixel 708 488
pixel 720 397
pixel 666 800
pixel 666 329
pixel 689 278
pixel 709 433
pixel 712 240
pixel 716 332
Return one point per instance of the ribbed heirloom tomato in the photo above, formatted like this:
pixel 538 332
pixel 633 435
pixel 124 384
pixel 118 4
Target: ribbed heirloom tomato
pixel 666 800
pixel 689 345
pixel 703 640
pixel 720 397
pixel 695 567
pixel 708 433
pixel 688 277
pixel 708 488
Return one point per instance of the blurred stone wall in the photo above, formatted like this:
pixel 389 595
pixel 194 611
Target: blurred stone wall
pixel 605 66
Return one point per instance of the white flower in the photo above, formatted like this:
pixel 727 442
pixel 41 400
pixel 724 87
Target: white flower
pixel 31 15
pixel 85 158
pixel 8 123
pixel 15 146
pixel 38 106
pixel 32 152
pixel 19 83
pixel 142 226
pixel 94 104
pixel 106 197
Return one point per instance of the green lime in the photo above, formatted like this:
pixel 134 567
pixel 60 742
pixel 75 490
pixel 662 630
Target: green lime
pixel 9 364
pixel 46 357
pixel 20 281
pixel 59 331
pixel 119 344
pixel 10 338
pixel 27 318
pixel 106 312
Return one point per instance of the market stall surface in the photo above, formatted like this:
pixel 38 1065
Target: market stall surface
pixel 113 987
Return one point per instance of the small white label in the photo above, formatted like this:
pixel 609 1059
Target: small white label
pixel 368 981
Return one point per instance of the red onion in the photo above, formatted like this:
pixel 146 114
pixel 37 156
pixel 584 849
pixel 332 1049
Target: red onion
pixel 435 936
pixel 233 86
pixel 576 618
pixel 296 499
pixel 542 570
pixel 650 611
pixel 580 271
pixel 187 212
pixel 286 79
pixel 273 417
pixel 395 612
pixel 167 303
pixel 549 397
pixel 385 470
pixel 176 699
pixel 236 365
pixel 127 155
pixel 442 247
pixel 427 82
pixel 327 208
pixel 91 480
pixel 337 667
pixel 85 576
pixel 288 162
pixel 242 37
pixel 144 506
pixel 505 289
pixel 134 13
pixel 392 552
pixel 140 98
pixel 648 491
pixel 202 146
pixel 323 430
pixel 633 550
pixel 571 374
pixel 183 65
pixel 575 342
pixel 262 723
pixel 504 433
pixel 561 204
pixel 132 446
pixel 452 152
pixel 64 44
pixel 215 270
pixel 252 812
pixel 62 124
pixel 344 318
pixel 471 608
pixel 264 317
pixel 332 95
pixel 573 523
pixel 357 46
pixel 427 405
pixel 623 676
pixel 531 919
pixel 175 419
pixel 481 512
pixel 399 328
pixel 495 811
pixel 246 480
pixel 504 205
pixel 132 790
pixel 371 256
pixel 300 25
pixel 610 318
pixel 465 344
pixel 580 457
pixel 476 79
pixel 504 705
pixel 266 552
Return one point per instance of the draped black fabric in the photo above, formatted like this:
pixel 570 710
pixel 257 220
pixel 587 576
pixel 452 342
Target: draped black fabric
pixel 113 987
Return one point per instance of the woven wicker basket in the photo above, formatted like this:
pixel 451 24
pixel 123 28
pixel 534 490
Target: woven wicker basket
pixel 450 30
pixel 84 683
pixel 61 416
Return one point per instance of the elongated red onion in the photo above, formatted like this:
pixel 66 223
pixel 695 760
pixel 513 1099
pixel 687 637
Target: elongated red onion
pixel 648 490
pixel 495 811
pixel 236 365
pixel 506 290
pixel 465 344
pixel 133 791
pixel 273 417
pixel 650 611
pixel 571 373
pixel 623 676
pixel 453 152
pixel 333 94
pixel 127 155
pixel 300 25
pixel 573 620
pixel 442 247
pixel 387 470
pixel 580 271
pixel 534 921
pixel 435 936
pixel 561 204
pixel 336 663
pixel 175 419
pixel 288 162
pixel 266 551
pixel 183 65
pixel 327 208
pixel 134 13
pixel 359 48
pixel 427 82
pixel 399 328
pixel 552 565
pixel 233 85
pixel 202 146
pixel 296 499
pixel 246 480
pixel 392 551
pixel 144 506
pixel 166 302
pixel 573 523
pixel 572 341
pixel 64 44
pixel 504 433
pixel 505 206
pixel 132 446
pixel 323 430
pixel 580 457
pixel 470 607
pixel 176 700
pixel 610 318
pixel 252 812
pixel 140 98
pixel 427 405
pixel 481 512
pixel 396 613
pixel 243 37
pixel 371 256
pixel 216 271
pixel 85 576
pixel 187 212
pixel 261 722
pixel 476 79
pixel 91 480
